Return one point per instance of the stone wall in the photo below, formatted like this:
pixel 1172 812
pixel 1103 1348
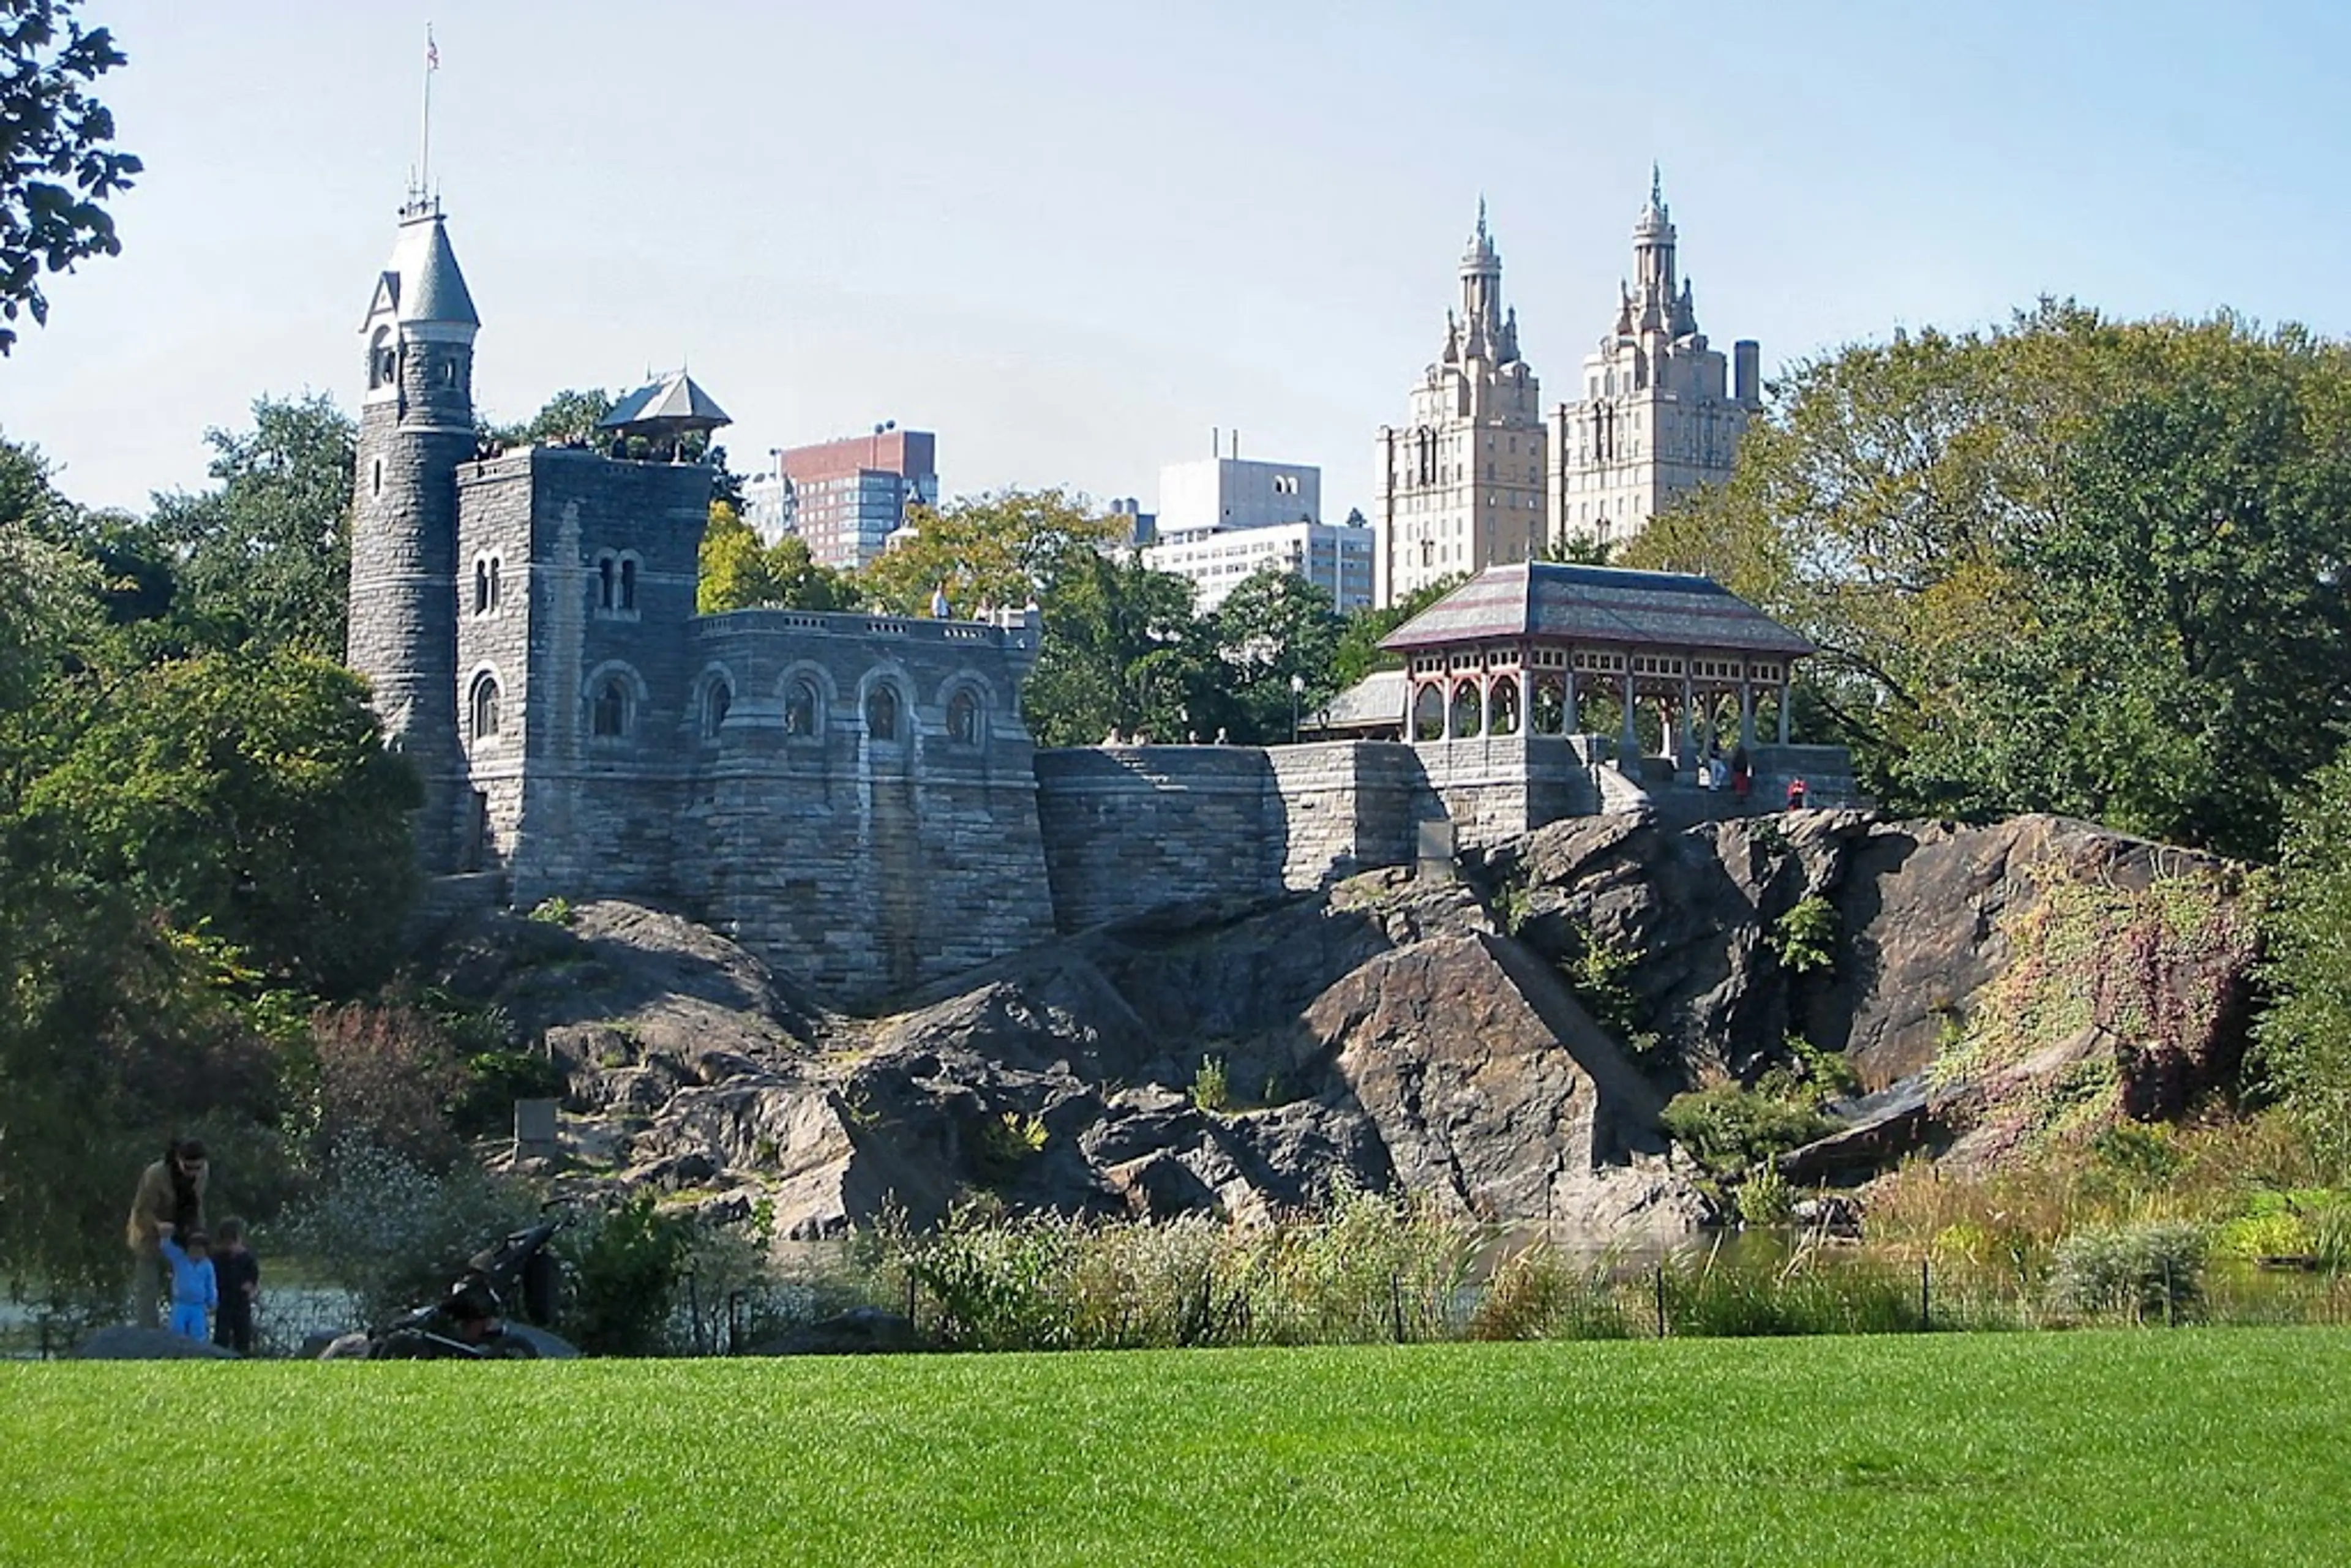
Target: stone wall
pixel 1497 787
pixel 1128 829
pixel 867 856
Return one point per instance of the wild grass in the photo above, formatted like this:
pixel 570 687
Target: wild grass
pixel 2134 1446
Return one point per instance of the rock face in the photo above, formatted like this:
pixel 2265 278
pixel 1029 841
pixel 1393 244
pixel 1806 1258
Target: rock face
pixel 1384 1036
pixel 2017 975
pixel 1988 986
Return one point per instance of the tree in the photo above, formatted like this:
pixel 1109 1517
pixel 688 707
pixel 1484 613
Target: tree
pixel 2042 564
pixel 568 419
pixel 1274 628
pixel 1122 651
pixel 60 163
pixel 2304 1036
pixel 248 795
pixel 737 572
pixel 1002 550
pixel 1357 652
pixel 264 559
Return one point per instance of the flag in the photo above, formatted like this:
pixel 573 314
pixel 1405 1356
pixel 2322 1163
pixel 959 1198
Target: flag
pixel 432 52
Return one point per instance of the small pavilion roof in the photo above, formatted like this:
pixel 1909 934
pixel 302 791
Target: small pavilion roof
pixel 1552 602
pixel 674 403
pixel 1376 700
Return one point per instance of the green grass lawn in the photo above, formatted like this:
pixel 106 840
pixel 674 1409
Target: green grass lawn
pixel 2213 1448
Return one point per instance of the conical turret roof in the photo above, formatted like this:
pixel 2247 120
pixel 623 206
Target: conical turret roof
pixel 422 276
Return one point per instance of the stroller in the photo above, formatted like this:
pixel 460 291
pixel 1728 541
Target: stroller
pixel 469 1323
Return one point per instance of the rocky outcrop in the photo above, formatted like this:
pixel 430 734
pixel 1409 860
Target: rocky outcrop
pixel 1988 986
pixel 1383 1036
pixel 2025 976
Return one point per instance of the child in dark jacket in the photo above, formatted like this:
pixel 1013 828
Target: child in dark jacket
pixel 194 1290
pixel 238 1274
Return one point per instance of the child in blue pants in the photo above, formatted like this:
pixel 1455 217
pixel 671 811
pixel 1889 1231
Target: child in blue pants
pixel 194 1290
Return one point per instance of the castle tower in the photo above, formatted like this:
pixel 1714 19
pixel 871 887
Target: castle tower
pixel 416 425
pixel 1460 487
pixel 1661 413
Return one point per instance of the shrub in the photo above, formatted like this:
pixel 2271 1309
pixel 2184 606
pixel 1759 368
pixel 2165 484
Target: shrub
pixel 493 1080
pixel 1211 1088
pixel 2153 1270
pixel 1005 1143
pixel 1729 1128
pixel 384 1077
pixel 392 1234
pixel 1804 938
pixel 627 1265
pixel 553 911
pixel 1765 1198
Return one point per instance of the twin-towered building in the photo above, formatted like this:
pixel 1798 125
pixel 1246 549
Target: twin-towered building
pixel 1482 475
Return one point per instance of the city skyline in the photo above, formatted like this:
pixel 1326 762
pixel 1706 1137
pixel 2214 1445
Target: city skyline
pixel 1078 240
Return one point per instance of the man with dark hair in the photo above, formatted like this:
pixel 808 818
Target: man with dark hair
pixel 171 1195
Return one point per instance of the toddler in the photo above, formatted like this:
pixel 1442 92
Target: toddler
pixel 194 1291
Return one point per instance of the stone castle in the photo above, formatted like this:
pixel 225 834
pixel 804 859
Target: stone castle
pixel 857 797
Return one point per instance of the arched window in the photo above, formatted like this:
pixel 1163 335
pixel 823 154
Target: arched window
pixel 800 709
pixel 963 717
pixel 628 582
pixel 721 698
pixel 881 712
pixel 1505 705
pixel 384 360
pixel 494 582
pixel 484 706
pixel 605 573
pixel 1467 713
pixel 1428 714
pixel 481 600
pixel 611 714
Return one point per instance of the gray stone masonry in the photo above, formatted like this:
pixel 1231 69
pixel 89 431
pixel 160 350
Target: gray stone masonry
pixel 1127 829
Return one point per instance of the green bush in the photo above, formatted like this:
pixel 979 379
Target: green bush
pixel 1765 1198
pixel 393 1235
pixel 2151 1271
pixel 1212 1089
pixel 493 1080
pixel 1804 938
pixel 1729 1128
pixel 628 1263
pixel 553 911
pixel 1005 1143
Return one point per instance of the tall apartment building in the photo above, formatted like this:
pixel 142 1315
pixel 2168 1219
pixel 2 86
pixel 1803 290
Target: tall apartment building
pixel 1221 519
pixel 1460 487
pixel 1336 559
pixel 845 496
pixel 1229 493
pixel 1655 419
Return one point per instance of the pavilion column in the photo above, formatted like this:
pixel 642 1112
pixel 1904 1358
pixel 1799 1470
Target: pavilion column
pixel 1746 710
pixel 1685 733
pixel 1568 722
pixel 1526 698
pixel 1485 706
pixel 1445 701
pixel 1629 743
pixel 1784 684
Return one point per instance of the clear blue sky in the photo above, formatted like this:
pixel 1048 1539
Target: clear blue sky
pixel 1072 237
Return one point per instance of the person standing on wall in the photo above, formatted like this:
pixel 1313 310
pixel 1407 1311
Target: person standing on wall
pixel 171 1193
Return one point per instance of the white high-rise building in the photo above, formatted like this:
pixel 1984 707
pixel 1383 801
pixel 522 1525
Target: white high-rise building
pixel 1231 493
pixel 1223 519
pixel 1460 487
pixel 1655 419
pixel 1335 558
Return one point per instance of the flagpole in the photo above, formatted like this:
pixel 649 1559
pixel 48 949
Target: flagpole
pixel 424 160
